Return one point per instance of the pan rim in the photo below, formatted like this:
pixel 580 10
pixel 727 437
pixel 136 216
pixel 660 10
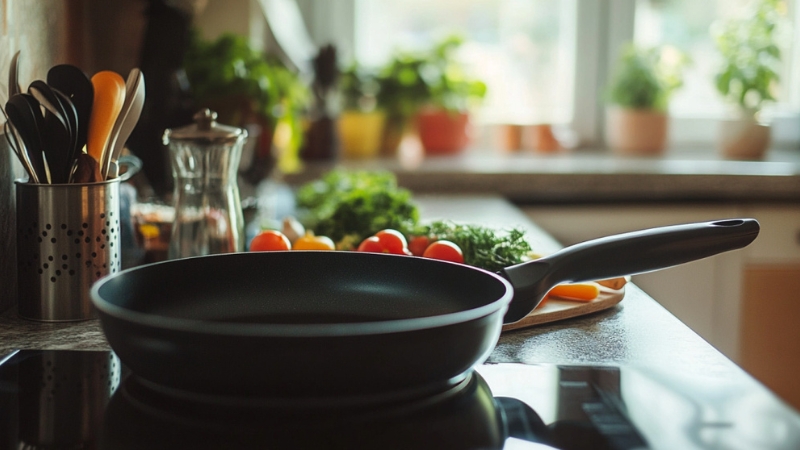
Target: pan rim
pixel 347 329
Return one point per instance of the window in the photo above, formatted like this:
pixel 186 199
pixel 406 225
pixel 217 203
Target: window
pixel 548 61
pixel 686 24
pixel 521 48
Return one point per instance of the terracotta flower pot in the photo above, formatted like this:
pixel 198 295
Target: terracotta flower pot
pixel 443 132
pixel 361 133
pixel 636 131
pixel 743 138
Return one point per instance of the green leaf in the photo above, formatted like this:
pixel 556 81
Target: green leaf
pixel 750 52
pixel 356 204
pixel 644 78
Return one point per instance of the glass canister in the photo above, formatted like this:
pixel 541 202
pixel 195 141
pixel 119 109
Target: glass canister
pixel 208 212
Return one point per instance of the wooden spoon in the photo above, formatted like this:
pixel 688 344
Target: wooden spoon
pixel 127 119
pixel 109 96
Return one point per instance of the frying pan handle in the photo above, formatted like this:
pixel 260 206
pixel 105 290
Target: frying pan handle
pixel 626 254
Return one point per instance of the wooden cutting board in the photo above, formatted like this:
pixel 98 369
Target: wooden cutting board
pixel 555 309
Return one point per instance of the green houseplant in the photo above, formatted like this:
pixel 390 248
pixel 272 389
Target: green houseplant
pixel 360 122
pixel 748 76
pixel 248 88
pixel 433 88
pixel 638 96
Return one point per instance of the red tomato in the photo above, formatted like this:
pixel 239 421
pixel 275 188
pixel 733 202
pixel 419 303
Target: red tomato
pixel 444 250
pixel 392 241
pixel 270 240
pixel 418 245
pixel 385 241
pixel 371 244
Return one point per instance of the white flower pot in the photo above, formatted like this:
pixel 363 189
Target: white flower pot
pixel 743 138
pixel 636 131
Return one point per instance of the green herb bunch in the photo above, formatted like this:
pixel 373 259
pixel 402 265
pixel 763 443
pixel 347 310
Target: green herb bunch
pixel 751 56
pixel 482 246
pixel 348 206
pixel 646 78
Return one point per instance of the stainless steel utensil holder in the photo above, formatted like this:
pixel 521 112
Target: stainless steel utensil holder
pixel 68 237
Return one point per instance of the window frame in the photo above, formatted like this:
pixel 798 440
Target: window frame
pixel 601 27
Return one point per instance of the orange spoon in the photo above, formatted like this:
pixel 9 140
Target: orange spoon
pixel 109 96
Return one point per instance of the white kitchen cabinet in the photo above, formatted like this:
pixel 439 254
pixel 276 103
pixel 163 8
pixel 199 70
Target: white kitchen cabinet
pixel 770 326
pixel 692 292
pixel 746 303
pixel 779 242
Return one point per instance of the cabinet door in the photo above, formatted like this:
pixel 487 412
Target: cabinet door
pixel 779 240
pixel 703 294
pixel 770 330
pixel 770 318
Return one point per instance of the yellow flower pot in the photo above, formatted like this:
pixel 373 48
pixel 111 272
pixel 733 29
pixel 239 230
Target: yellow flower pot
pixel 360 133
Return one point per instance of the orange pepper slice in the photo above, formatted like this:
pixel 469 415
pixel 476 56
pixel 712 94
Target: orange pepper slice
pixel 581 292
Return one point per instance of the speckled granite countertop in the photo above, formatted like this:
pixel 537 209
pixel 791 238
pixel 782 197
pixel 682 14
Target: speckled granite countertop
pixel 593 176
pixel 636 331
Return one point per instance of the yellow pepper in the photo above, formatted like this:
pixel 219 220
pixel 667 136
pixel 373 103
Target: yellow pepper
pixel 311 242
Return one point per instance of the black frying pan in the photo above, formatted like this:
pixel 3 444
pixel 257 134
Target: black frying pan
pixel 311 327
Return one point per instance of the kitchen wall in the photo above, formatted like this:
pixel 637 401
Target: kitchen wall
pixel 92 34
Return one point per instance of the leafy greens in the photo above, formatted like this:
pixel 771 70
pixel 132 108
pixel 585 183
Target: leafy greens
pixel 350 206
pixel 483 247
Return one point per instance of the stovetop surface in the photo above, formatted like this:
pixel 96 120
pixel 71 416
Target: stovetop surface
pixel 75 399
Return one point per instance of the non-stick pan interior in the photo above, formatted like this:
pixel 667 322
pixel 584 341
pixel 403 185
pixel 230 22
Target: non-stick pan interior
pixel 302 288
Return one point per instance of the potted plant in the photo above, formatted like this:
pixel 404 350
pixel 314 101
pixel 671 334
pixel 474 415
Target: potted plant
pixel 747 78
pixel 638 97
pixel 433 89
pixel 360 120
pixel 247 89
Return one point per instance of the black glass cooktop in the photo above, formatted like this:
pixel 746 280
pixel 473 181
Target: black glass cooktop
pixel 77 400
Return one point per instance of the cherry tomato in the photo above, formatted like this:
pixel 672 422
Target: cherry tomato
pixel 444 250
pixel 311 242
pixel 418 244
pixel 385 241
pixel 371 244
pixel 392 241
pixel 270 240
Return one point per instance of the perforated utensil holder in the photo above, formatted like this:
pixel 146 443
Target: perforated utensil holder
pixel 68 237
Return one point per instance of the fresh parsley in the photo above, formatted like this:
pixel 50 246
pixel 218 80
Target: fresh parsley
pixel 348 206
pixel 483 247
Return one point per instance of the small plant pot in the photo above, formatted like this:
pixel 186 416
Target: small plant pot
pixel 743 138
pixel 361 133
pixel 509 137
pixel 633 132
pixel 443 132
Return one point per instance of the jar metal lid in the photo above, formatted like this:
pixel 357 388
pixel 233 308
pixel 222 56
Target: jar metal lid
pixel 205 130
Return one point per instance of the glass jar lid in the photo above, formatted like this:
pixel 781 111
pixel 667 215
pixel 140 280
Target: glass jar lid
pixel 205 130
